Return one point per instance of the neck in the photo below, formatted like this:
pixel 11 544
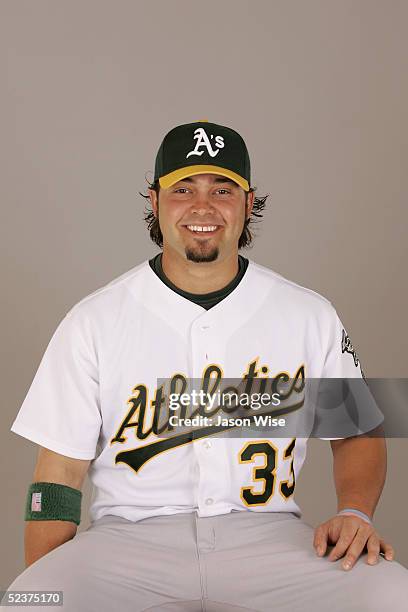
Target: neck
pixel 199 278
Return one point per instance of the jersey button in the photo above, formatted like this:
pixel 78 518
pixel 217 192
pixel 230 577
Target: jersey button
pixel 207 444
pixel 204 327
pixel 209 501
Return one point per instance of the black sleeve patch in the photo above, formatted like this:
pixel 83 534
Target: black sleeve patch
pixel 347 347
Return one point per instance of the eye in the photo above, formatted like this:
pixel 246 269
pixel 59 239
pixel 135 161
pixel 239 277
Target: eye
pixel 226 190
pixel 180 189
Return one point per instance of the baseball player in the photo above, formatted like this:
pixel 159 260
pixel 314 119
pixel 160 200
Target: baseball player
pixel 191 511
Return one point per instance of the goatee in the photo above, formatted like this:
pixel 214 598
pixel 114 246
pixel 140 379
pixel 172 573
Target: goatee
pixel 202 257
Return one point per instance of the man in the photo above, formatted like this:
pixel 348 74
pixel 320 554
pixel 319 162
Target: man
pixel 202 517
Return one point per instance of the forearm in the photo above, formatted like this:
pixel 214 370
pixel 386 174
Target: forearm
pixel 359 469
pixel 43 536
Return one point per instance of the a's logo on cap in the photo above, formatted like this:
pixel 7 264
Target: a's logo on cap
pixel 203 141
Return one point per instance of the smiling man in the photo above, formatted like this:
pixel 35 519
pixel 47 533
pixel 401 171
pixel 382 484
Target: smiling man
pixel 186 519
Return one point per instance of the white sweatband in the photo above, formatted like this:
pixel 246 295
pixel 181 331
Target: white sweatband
pixel 349 511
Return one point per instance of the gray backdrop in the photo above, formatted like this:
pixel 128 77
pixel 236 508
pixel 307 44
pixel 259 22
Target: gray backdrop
pixel 318 89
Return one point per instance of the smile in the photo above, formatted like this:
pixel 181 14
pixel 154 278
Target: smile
pixel 201 229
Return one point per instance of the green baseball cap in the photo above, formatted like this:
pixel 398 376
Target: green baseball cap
pixel 202 147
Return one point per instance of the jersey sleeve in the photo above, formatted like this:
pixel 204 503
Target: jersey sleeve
pixel 345 405
pixel 61 410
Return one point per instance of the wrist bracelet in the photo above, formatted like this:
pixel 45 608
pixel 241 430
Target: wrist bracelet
pixel 349 511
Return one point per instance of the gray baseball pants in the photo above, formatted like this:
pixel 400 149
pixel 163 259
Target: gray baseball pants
pixel 242 561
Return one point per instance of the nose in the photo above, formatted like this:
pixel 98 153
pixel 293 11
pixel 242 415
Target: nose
pixel 202 204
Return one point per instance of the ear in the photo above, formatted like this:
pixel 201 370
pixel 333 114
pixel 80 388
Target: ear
pixel 250 203
pixel 153 201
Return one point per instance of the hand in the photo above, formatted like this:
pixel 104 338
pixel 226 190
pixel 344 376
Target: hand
pixel 351 536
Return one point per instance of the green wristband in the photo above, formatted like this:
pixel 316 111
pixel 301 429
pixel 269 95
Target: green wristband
pixel 49 501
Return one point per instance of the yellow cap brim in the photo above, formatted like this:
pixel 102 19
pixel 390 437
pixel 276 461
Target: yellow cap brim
pixel 173 177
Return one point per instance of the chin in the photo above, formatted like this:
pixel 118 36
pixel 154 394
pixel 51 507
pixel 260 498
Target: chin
pixel 202 256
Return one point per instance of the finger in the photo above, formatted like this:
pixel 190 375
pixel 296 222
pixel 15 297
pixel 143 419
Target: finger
pixel 388 550
pixel 355 549
pixel 373 550
pixel 320 539
pixel 341 547
pixel 346 537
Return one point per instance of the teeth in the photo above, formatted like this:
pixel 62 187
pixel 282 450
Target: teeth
pixel 202 228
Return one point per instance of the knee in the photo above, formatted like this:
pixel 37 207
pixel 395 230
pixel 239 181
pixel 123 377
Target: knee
pixel 52 572
pixel 46 576
pixel 387 589
pixel 28 580
pixel 24 581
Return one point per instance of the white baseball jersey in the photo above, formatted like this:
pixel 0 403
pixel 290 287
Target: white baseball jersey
pixel 95 394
